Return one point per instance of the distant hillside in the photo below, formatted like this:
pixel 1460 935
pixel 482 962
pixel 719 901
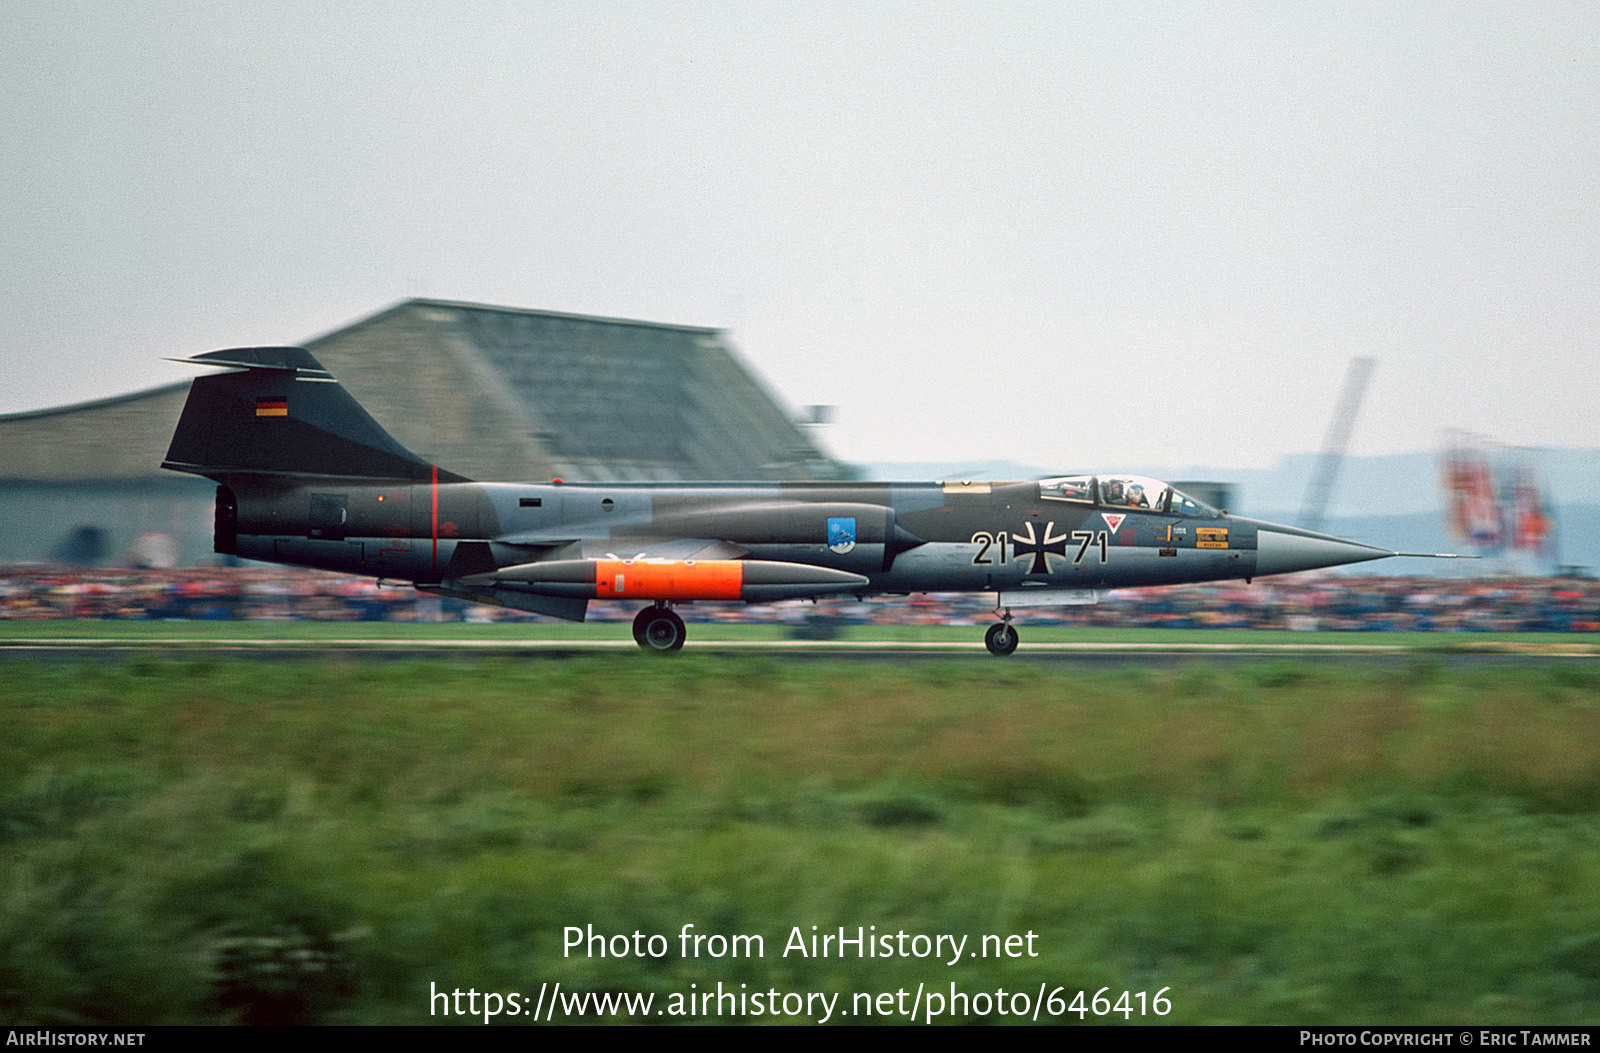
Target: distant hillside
pixel 1397 483
pixel 1578 542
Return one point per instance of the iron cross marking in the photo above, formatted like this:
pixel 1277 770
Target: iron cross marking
pixel 1037 547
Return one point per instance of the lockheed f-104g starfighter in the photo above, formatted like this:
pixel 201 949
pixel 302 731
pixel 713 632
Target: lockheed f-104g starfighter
pixel 307 477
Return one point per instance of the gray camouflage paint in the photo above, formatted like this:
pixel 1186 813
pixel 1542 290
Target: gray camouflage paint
pixel 309 478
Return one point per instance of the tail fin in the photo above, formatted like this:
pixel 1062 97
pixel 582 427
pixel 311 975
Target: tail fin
pixel 278 412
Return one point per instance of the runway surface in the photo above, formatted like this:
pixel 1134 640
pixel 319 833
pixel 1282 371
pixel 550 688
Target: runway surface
pixel 263 649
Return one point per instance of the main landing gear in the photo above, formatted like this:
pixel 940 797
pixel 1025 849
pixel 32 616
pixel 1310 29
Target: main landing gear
pixel 1001 639
pixel 658 629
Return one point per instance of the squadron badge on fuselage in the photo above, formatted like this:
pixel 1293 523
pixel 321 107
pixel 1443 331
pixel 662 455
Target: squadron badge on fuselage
pixel 841 535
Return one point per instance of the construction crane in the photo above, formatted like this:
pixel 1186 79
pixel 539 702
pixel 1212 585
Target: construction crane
pixel 1335 443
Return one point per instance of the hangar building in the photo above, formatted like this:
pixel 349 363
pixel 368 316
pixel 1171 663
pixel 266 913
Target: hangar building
pixel 494 393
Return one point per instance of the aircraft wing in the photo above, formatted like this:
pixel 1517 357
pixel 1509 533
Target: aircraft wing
pixel 643 548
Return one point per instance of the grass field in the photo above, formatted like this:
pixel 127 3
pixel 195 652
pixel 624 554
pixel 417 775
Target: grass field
pixel 211 840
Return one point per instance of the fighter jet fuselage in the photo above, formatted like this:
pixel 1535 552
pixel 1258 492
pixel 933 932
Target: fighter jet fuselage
pixel 895 537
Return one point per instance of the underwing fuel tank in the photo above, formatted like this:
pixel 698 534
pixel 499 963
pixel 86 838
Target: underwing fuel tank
pixel 751 580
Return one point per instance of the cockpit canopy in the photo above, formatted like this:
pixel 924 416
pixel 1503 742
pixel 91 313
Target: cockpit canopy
pixel 1124 491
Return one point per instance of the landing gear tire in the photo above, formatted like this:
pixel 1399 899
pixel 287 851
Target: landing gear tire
pixel 1001 639
pixel 659 630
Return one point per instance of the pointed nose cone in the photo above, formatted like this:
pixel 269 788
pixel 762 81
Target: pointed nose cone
pixel 1282 550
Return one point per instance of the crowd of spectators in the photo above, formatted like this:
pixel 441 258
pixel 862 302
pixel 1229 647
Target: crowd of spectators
pixel 1303 602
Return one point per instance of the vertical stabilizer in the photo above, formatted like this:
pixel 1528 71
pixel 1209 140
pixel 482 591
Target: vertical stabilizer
pixel 278 412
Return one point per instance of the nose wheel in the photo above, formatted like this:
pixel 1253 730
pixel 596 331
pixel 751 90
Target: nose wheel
pixel 1001 639
pixel 659 630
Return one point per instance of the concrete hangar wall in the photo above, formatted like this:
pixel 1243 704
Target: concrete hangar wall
pixel 494 393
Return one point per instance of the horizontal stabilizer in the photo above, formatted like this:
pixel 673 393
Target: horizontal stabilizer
pixel 289 359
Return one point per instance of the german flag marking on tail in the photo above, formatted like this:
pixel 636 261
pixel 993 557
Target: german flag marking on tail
pixel 272 407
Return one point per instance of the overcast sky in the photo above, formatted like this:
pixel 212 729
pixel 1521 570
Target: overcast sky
pixel 1071 234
